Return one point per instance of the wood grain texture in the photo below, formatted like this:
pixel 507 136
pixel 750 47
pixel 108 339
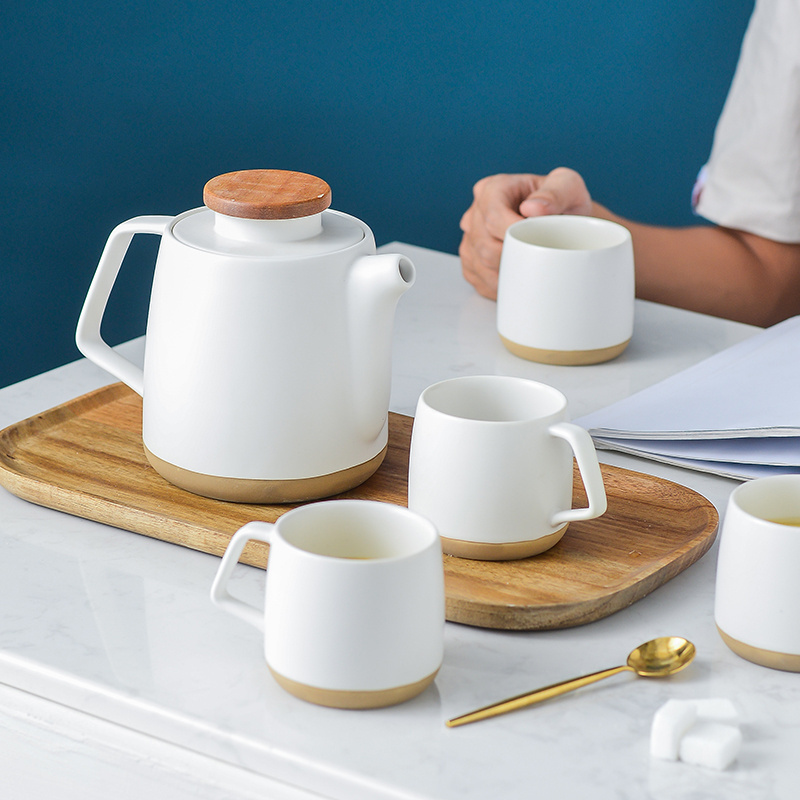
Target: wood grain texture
pixel 85 457
pixel 267 194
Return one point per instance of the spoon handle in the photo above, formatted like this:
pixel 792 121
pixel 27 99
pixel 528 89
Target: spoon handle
pixel 529 698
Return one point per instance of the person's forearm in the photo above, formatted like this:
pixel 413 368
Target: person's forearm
pixel 715 270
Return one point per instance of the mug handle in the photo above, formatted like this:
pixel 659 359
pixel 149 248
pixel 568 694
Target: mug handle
pixel 87 335
pixel 220 596
pixel 585 454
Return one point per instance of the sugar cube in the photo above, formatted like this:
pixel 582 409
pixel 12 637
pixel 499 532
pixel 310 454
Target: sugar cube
pixel 710 744
pixel 670 723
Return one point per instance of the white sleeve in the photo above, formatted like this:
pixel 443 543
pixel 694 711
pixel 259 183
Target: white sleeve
pixel 752 179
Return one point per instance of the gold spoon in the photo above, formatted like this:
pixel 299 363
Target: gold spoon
pixel 654 659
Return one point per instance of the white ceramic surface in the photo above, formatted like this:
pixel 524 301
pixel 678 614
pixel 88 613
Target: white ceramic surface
pixel 491 461
pixel 268 357
pixel 354 596
pixel 757 589
pixel 566 284
pixel 119 677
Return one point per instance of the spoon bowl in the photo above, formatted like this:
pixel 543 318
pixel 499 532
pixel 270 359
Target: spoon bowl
pixel 657 658
pixel 661 657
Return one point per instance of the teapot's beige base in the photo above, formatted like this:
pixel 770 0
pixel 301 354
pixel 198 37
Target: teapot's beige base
pixel 504 551
pixel 247 490
pixel 334 698
pixel 567 358
pixel 788 662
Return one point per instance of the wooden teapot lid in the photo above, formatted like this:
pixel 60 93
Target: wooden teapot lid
pixel 267 194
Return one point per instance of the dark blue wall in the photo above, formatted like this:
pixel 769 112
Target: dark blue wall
pixel 113 109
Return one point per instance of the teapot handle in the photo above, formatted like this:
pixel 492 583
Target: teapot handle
pixel 87 335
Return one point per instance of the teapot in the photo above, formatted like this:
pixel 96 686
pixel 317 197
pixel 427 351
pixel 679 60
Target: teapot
pixel 267 366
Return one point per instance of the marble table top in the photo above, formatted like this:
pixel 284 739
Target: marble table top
pixel 113 634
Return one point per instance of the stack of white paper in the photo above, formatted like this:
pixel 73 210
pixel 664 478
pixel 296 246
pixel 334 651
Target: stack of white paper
pixel 735 414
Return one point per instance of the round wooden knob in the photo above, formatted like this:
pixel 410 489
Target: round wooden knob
pixel 267 194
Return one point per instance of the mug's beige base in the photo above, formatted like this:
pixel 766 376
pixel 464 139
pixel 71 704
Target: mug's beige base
pixel 766 658
pixel 503 551
pixel 568 358
pixel 336 698
pixel 248 490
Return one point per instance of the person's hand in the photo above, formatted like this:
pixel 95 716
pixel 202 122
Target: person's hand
pixel 501 200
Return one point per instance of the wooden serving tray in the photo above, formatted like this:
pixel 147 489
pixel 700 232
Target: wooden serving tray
pixel 85 457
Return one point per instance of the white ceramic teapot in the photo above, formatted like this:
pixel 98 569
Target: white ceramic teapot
pixel 267 363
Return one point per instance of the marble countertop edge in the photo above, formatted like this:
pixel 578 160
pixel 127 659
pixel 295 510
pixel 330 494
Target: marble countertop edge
pixel 183 730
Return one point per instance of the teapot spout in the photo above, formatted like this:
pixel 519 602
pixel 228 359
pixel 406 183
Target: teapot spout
pixel 376 284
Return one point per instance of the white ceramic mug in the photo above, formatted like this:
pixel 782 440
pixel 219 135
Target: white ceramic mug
pixel 354 610
pixel 757 604
pixel 566 289
pixel 491 466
